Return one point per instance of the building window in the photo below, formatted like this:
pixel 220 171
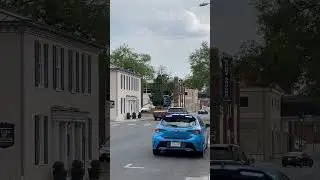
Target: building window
pixel 45 63
pixel 121 105
pixel 127 82
pixel 41 65
pixel 138 84
pixel 84 76
pixel 62 68
pixel 124 105
pixel 121 81
pixel 89 74
pixel 41 140
pixel 84 131
pixel 70 71
pixel 244 102
pixel 90 138
pixel 77 73
pixel 45 140
pixel 36 140
pixel 57 69
pixel 132 83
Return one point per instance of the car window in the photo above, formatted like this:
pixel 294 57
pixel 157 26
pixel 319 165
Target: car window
pixel 179 121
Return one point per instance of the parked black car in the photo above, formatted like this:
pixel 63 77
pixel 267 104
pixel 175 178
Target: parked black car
pixel 203 111
pixel 244 172
pixel 297 159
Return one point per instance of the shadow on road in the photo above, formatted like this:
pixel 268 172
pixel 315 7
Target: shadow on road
pixel 178 155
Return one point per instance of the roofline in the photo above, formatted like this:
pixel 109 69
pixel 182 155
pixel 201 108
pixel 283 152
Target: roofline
pixel 29 22
pixel 124 70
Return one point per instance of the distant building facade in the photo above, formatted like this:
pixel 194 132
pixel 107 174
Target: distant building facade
pixel 192 103
pixel 50 94
pixel 125 91
pixel 260 130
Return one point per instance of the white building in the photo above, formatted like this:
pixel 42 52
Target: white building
pixel 125 91
pixel 50 93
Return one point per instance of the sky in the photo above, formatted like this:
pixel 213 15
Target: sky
pixel 168 30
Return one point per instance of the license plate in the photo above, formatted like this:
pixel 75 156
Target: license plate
pixel 175 144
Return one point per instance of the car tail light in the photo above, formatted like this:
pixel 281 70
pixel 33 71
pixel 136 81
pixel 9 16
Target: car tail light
pixel 157 130
pixel 196 131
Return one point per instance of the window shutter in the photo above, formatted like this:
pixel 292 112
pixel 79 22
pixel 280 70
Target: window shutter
pixel 36 64
pixel 46 73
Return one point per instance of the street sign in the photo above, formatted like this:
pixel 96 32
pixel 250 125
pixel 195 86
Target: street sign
pixel 6 135
pixel 112 104
pixel 226 75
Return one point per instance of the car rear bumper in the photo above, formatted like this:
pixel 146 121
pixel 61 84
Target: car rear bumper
pixel 190 145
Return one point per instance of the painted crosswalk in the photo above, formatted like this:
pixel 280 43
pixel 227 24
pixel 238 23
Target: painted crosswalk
pixel 198 178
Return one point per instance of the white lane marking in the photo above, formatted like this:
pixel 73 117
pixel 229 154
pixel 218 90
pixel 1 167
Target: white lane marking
pixel 113 125
pixel 130 166
pixel 147 124
pixel 131 124
pixel 198 178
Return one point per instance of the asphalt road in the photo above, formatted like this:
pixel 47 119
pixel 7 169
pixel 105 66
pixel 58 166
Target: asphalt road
pixel 298 173
pixel 132 158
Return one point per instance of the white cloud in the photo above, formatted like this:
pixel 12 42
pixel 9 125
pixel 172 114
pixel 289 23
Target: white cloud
pixel 169 30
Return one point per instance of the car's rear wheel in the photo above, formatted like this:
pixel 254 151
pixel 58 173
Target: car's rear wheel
pixel 156 152
pixel 155 118
pixel 200 154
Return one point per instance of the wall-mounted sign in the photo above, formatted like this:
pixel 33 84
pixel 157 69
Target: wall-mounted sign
pixel 227 75
pixel 6 135
pixel 112 104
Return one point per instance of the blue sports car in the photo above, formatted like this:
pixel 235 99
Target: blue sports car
pixel 180 132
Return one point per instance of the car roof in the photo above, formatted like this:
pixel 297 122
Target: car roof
pixel 271 172
pixel 182 114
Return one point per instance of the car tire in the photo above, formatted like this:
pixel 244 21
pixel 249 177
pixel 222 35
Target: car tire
pixel 200 154
pixel 156 152
pixel 155 118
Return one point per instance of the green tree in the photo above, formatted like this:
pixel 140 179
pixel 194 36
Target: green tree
pixel 289 52
pixel 200 68
pixel 162 85
pixel 127 58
